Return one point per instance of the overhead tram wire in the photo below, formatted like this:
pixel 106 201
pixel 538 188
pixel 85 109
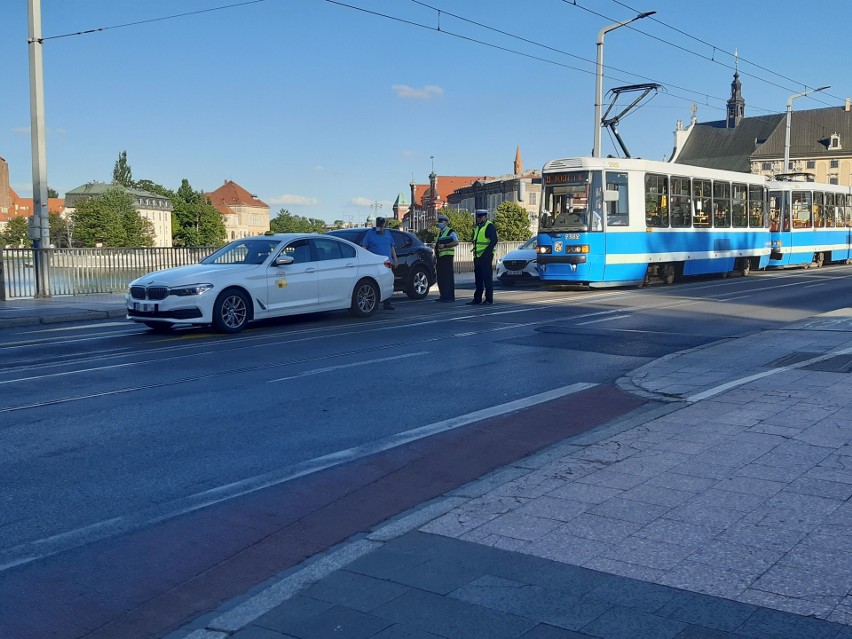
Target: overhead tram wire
pixel 716 48
pixel 149 20
pixel 712 59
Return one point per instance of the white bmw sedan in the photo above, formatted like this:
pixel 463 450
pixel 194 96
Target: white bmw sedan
pixel 266 276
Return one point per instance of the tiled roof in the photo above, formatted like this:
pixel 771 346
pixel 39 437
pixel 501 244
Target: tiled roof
pixel 712 145
pixel 810 134
pixel 446 184
pixel 232 194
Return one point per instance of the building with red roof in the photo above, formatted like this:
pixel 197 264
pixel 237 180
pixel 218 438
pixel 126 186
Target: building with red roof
pixel 243 213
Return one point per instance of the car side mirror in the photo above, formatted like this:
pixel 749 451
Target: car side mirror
pixel 284 260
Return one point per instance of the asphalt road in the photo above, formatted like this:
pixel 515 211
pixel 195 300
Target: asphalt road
pixel 113 438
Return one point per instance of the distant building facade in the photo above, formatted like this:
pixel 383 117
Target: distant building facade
pixel 820 141
pixel 521 187
pixel 428 199
pixel 157 209
pixel 243 213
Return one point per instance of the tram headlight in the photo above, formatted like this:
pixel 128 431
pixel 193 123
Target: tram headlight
pixel 544 249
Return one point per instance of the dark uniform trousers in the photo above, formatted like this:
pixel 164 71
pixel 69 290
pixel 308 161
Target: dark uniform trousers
pixel 446 278
pixel 484 277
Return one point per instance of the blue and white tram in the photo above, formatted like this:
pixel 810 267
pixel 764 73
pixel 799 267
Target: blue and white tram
pixel 809 223
pixel 615 222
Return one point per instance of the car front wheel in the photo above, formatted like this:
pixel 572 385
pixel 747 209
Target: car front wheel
pixel 365 298
pixel 418 284
pixel 231 311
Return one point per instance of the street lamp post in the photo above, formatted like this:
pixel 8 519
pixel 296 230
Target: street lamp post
pixel 789 118
pixel 596 151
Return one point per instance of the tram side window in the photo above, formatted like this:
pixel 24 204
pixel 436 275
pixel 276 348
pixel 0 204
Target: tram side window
pixel 819 210
pixel 739 205
pixel 656 201
pixel 837 212
pixel 828 215
pixel 701 202
pixel 801 210
pixel 617 213
pixel 721 204
pixel 756 207
pixel 679 205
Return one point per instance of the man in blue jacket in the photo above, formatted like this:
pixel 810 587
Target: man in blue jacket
pixel 378 240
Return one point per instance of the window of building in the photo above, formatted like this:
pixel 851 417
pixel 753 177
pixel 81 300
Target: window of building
pixel 835 141
pixel 835 164
pixel 811 164
pixel 766 166
pixel 833 180
pixel 533 198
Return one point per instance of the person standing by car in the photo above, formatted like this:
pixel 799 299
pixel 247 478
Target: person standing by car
pixel 484 243
pixel 445 252
pixel 379 241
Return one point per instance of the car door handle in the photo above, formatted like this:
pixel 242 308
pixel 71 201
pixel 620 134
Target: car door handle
pixel 310 269
pixel 350 266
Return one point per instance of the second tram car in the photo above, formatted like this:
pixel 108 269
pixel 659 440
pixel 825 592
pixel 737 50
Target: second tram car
pixel 616 222
pixel 809 223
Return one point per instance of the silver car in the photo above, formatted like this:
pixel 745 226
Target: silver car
pixel 519 265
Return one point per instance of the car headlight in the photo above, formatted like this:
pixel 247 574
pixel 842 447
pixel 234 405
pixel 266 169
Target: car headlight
pixel 190 289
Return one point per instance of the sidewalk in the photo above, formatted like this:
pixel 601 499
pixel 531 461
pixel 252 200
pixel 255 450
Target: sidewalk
pixel 728 515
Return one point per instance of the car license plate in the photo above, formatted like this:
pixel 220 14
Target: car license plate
pixel 144 307
pixel 514 272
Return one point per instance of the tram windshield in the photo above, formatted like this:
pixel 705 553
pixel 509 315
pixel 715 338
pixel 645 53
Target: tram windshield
pixel 572 202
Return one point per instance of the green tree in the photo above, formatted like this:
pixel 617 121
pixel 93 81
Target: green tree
pixel 111 220
pixel 461 221
pixel 512 222
pixel 15 234
pixel 52 192
pixel 286 222
pixel 121 173
pixel 393 223
pixel 195 221
pixel 60 230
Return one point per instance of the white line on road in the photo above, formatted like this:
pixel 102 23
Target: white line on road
pixel 41 548
pixel 329 369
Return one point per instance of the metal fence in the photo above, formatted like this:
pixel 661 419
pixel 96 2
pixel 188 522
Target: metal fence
pixel 109 270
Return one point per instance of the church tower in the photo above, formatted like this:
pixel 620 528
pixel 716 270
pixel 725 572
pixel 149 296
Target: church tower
pixel 519 164
pixel 736 105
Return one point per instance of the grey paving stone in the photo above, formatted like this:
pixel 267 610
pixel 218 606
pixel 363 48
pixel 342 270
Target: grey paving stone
pixel 596 527
pixel 624 623
pixel 774 624
pixel 751 486
pixel 340 621
pixel 531 485
pixel 762 536
pixel 648 552
pixel 831 432
pixel 700 632
pixel 803 607
pixel 836 537
pixel 294 610
pixel 795 453
pixel 624 569
pixel 520 526
pixel 400 631
pixel 649 463
pixel 545 631
pixel 682 533
pixel 770 473
pixel 725 499
pixel 634 594
pixel 611 479
pixel 495 541
pixel 795 581
pixel 710 580
pixel 658 495
pixel 352 590
pixel 452 618
pixel 629 510
pixel 836 467
pixel 443 574
pixel 552 575
pixel 702 514
pixel 386 563
pixel 567 549
pixel 824 560
pixel 736 556
pixel 553 607
pixel 807 485
pixel 841 516
pixel 554 508
pixel 586 493
pixel 257 632
pixel 682 481
pixel 706 611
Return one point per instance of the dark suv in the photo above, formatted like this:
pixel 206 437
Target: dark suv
pixel 415 273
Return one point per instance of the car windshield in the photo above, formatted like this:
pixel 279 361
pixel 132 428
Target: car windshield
pixel 249 251
pixel 529 244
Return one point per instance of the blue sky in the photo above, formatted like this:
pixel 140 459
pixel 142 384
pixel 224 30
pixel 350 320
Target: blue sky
pixel 324 109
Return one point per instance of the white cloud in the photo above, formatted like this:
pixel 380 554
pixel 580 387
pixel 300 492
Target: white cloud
pixel 319 168
pixel 410 93
pixel 362 201
pixel 288 198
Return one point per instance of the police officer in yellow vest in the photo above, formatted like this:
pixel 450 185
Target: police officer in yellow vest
pixel 445 252
pixel 484 243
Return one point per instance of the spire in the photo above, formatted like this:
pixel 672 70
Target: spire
pixel 519 164
pixel 736 105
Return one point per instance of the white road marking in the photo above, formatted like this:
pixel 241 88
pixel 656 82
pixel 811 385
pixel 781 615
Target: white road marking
pixel 329 369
